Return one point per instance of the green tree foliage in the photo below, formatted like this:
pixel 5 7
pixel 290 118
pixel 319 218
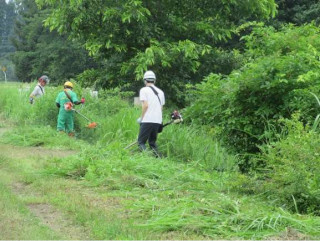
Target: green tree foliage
pixel 7 17
pixel 283 67
pixel 170 37
pixel 40 51
pixel 298 11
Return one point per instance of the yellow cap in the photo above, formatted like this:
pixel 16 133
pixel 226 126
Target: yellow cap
pixel 68 84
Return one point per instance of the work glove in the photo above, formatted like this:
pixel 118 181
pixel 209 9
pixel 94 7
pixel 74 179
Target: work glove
pixel 31 100
pixel 139 120
pixel 82 100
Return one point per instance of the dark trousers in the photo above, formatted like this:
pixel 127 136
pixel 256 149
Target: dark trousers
pixel 148 132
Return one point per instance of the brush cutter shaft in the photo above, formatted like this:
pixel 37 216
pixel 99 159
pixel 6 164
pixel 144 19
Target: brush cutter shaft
pixel 132 144
pixel 169 123
pixel 176 121
pixel 164 125
pixel 81 115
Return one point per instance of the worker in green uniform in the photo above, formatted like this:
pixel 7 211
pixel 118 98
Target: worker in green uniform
pixel 65 101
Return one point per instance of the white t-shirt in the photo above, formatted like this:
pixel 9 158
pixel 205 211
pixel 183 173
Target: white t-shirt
pixel 154 111
pixel 38 91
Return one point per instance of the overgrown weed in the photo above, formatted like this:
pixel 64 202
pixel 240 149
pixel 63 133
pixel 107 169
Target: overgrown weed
pixel 187 191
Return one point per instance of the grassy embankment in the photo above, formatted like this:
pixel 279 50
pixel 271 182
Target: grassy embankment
pixel 114 193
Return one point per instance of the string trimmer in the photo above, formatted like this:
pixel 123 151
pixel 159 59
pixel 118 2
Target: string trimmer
pixel 91 125
pixel 176 118
pixel 69 106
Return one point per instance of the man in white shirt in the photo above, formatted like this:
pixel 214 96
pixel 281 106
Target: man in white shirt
pixel 152 99
pixel 39 89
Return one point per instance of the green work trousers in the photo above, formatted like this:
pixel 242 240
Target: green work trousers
pixel 65 122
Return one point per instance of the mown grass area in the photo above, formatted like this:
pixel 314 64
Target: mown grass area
pixel 184 195
pixel 16 221
pixel 21 225
pixel 68 197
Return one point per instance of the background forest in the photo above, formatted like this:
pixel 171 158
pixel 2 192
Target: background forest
pixel 245 73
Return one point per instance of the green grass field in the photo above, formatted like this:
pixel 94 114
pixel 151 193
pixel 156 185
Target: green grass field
pixel 96 189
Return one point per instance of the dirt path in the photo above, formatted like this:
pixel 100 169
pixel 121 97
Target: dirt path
pixel 46 214
pixel 49 215
pixel 17 152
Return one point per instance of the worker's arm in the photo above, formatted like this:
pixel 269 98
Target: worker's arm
pixel 34 92
pixel 144 108
pixel 31 99
pixel 58 101
pixel 32 95
pixel 77 102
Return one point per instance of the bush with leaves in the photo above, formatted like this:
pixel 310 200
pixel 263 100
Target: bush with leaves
pixel 291 176
pixel 282 69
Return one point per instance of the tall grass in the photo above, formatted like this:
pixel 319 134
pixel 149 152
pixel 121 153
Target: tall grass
pixel 116 124
pixel 167 196
pixel 185 191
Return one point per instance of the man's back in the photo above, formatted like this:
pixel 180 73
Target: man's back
pixel 63 99
pixel 37 91
pixel 154 111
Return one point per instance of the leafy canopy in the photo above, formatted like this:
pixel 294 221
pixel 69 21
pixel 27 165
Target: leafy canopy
pixel 39 51
pixel 169 37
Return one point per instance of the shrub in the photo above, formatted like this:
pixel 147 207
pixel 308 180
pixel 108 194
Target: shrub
pixel 291 175
pixel 293 164
pixel 283 67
